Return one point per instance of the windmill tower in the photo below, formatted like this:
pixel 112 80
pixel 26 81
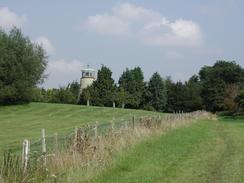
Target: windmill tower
pixel 87 78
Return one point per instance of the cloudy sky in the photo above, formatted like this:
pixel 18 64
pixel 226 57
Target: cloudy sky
pixel 172 37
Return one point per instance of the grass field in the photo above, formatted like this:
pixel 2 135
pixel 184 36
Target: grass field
pixel 26 121
pixel 208 151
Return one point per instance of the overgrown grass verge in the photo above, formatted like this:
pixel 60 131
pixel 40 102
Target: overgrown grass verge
pixel 208 151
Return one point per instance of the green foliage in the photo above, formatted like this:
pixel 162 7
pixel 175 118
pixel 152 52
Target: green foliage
pixel 176 93
pixel 215 80
pixel 157 93
pixel 102 91
pixel 22 64
pixel 65 95
pixel 240 102
pixel 122 97
pixel 133 83
pixel 193 90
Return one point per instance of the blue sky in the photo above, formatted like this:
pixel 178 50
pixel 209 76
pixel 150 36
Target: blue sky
pixel 171 37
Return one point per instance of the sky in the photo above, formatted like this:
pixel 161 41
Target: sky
pixel 173 37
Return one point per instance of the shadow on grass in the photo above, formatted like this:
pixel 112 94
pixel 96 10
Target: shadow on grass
pixel 229 118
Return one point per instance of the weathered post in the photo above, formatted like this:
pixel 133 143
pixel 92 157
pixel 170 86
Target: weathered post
pixel 112 126
pixel 95 131
pixel 44 148
pixel 133 121
pixel 25 155
pixel 75 137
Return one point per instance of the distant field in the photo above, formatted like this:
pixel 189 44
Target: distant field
pixel 26 121
pixel 208 151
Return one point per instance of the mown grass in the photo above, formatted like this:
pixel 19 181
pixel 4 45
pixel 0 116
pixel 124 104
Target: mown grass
pixel 208 151
pixel 26 121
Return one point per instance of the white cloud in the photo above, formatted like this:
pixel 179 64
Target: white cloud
pixel 61 72
pixel 145 25
pixel 106 24
pixel 8 19
pixel 45 43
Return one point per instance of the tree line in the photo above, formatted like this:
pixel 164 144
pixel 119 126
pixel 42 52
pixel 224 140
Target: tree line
pixel 215 88
pixel 22 63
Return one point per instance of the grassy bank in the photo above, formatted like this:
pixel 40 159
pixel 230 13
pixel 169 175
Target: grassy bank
pixel 26 121
pixel 209 151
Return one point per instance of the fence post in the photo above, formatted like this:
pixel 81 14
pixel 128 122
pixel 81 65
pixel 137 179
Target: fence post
pixel 44 148
pixel 75 137
pixel 112 126
pixel 133 121
pixel 25 154
pixel 95 131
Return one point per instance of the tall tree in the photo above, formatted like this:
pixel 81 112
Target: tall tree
pixel 103 88
pixel 193 99
pixel 240 102
pixel 215 80
pixel 133 83
pixel 157 93
pixel 22 64
pixel 122 97
pixel 176 93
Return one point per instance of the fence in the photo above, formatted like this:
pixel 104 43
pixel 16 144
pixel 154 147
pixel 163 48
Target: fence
pixel 88 143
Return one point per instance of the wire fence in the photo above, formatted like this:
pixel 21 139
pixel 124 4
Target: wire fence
pixel 35 154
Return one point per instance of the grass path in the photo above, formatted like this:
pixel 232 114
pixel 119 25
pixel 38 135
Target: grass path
pixel 26 121
pixel 209 151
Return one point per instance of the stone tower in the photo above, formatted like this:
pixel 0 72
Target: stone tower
pixel 87 78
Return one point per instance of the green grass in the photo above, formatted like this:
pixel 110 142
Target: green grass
pixel 208 151
pixel 26 121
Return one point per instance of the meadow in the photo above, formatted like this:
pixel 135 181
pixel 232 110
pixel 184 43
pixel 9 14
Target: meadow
pixel 195 149
pixel 26 121
pixel 207 151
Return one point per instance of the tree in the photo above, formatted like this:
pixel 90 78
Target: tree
pixel 133 83
pixel 103 88
pixel 215 80
pixel 22 64
pixel 240 102
pixel 122 97
pixel 176 93
pixel 193 99
pixel 74 88
pixel 87 95
pixel 157 96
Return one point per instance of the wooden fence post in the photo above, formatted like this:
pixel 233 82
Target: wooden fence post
pixel 133 121
pixel 112 126
pixel 25 155
pixel 95 131
pixel 44 148
pixel 75 137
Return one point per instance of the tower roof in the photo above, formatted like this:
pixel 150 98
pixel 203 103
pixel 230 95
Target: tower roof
pixel 87 69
